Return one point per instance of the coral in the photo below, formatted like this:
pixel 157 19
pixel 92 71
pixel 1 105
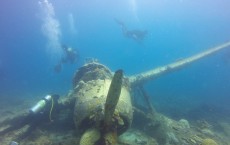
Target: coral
pixel 172 138
pixel 136 137
pixel 184 123
pixel 208 141
pixel 208 132
pixel 90 137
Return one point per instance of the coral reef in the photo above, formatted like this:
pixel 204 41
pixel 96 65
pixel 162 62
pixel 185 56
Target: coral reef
pixel 208 141
pixel 184 123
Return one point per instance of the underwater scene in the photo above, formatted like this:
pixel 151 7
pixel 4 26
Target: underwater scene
pixel 115 72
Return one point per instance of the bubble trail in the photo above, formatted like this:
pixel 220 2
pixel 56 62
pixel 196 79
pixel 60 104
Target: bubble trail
pixel 51 29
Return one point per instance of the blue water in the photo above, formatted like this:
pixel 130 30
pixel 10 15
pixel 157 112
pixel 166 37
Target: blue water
pixel 176 29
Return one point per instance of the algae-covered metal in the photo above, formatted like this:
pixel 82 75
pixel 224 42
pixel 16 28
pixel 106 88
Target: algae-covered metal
pixel 91 86
pixel 113 96
pixel 154 73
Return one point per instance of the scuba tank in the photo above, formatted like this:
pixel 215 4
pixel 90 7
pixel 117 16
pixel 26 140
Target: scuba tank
pixel 41 104
pixel 35 115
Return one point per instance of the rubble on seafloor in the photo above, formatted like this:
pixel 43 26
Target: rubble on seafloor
pixel 145 130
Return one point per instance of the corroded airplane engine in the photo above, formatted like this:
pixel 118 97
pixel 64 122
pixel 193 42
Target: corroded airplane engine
pixel 91 85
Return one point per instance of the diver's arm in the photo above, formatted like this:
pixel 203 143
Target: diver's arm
pixel 125 31
pixel 15 123
pixel 122 25
pixel 67 102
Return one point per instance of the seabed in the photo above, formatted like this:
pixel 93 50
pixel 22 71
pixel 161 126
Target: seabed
pixel 144 130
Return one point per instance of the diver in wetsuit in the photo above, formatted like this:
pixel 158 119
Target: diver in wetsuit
pixel 70 56
pixel 135 34
pixel 40 113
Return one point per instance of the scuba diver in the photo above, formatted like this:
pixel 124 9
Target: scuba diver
pixel 137 35
pixel 38 114
pixel 70 56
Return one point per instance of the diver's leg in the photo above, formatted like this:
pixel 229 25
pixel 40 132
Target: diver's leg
pixel 34 122
pixel 16 123
pixel 26 133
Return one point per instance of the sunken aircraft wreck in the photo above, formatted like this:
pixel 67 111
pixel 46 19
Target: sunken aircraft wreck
pixel 100 107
